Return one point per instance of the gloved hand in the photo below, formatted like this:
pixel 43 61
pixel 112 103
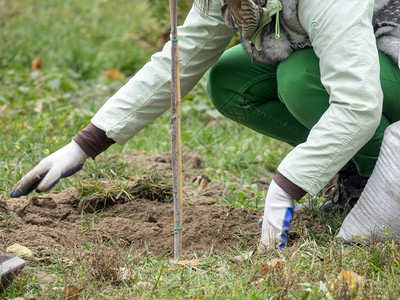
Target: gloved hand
pixel 278 213
pixel 62 163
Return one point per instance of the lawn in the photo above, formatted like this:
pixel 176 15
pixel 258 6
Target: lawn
pixel 43 106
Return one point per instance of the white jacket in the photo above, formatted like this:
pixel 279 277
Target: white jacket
pixel 342 37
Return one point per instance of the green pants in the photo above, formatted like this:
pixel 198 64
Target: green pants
pixel 285 102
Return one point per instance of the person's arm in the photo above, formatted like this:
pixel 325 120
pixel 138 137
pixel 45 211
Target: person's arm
pixel 342 37
pixel 202 40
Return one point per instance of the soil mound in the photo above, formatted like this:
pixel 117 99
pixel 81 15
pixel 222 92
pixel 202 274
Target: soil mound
pixel 135 214
pixel 55 223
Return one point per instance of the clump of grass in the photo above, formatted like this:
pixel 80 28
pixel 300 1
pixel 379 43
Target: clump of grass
pixel 99 195
pixel 153 187
pixel 107 266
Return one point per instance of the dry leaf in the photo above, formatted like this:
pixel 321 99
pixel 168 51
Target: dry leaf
pixel 114 74
pixel 169 221
pixel 38 108
pixel 125 273
pixel 351 278
pixel 242 257
pixel 276 264
pixel 204 181
pixel 71 292
pixel 193 262
pixel 36 64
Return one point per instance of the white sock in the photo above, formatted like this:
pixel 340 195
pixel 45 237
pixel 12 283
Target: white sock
pixel 278 213
pixel 377 212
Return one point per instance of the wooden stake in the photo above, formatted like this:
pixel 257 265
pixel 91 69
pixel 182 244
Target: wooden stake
pixel 176 131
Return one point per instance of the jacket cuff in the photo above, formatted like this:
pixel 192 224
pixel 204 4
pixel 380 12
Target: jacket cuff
pixel 93 140
pixel 289 187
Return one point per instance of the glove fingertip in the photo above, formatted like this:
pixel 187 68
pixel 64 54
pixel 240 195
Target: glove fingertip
pixel 16 193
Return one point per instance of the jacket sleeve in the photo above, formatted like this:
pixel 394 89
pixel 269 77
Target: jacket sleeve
pixel 202 40
pixel 342 37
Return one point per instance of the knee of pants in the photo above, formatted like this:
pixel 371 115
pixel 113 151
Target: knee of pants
pixel 214 85
pixel 300 87
pixel 220 90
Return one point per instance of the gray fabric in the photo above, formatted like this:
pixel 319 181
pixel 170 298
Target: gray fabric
pixel 386 22
pixel 376 214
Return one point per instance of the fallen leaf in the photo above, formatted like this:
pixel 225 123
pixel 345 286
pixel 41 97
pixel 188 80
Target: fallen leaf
pixel 202 181
pixel 125 273
pixel 20 251
pixel 38 108
pixel 114 74
pixel 169 221
pixel 276 264
pixel 71 292
pixel 36 64
pixel 351 278
pixel 242 257
pixel 193 262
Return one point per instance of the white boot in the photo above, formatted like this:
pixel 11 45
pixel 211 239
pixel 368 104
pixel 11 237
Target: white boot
pixel 377 212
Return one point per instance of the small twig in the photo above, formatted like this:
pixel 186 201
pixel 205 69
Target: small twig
pixel 63 217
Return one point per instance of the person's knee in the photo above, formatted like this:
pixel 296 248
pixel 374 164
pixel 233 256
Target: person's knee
pixel 291 84
pixel 300 87
pixel 221 91
pixel 296 73
pixel 294 88
pixel 215 85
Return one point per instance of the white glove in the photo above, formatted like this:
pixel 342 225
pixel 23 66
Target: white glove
pixel 278 213
pixel 376 214
pixel 62 163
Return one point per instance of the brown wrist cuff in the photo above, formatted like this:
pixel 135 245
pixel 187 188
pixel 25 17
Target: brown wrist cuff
pixel 289 187
pixel 93 140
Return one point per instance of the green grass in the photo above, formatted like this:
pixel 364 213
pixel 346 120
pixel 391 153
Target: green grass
pixel 78 41
pixel 311 272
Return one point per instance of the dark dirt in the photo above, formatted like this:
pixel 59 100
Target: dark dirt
pixel 58 223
